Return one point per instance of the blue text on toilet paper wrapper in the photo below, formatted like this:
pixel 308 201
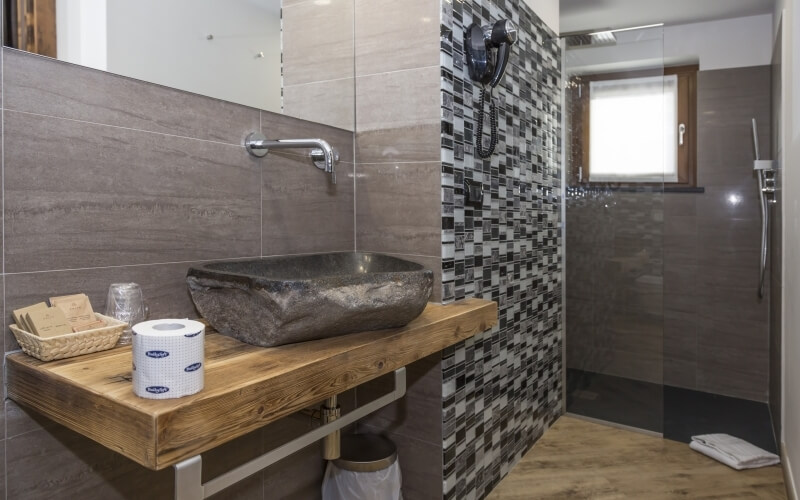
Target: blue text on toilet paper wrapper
pixel 156 354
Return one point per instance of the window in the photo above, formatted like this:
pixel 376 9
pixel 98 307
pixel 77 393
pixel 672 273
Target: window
pixel 635 127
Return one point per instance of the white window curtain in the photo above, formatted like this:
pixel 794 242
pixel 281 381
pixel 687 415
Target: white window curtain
pixel 633 130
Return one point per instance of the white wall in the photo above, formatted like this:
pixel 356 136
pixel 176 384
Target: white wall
pixel 166 43
pixel 548 11
pixel 729 43
pixel 789 11
pixel 81 29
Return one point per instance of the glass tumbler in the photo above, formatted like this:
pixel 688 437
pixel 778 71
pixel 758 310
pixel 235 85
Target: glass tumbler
pixel 126 303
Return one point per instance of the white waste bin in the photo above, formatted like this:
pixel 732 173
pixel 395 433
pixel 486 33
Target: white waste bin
pixel 367 470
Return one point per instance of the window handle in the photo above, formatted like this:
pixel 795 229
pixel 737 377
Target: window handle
pixel 681 131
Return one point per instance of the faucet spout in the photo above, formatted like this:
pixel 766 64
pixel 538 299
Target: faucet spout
pixel 258 145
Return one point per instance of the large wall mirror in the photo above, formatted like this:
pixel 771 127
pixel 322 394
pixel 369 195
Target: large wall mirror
pixel 287 56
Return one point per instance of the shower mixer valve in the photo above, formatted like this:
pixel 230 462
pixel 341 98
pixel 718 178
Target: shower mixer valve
pixel 765 171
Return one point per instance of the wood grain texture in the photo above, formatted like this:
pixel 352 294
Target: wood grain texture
pixel 246 387
pixel 578 459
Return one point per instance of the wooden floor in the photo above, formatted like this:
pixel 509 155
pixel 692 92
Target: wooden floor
pixel 576 459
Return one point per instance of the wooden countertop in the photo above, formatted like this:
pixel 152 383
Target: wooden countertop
pixel 246 387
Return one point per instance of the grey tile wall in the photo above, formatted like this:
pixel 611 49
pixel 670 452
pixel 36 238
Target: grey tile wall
pixel 614 282
pixel 96 196
pixel 698 252
pixel 502 388
pixel 110 179
pixel 716 328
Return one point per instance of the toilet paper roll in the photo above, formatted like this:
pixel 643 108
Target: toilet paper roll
pixel 168 358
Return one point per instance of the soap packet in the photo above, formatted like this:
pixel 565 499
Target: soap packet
pixel 48 322
pixel 19 315
pixel 78 311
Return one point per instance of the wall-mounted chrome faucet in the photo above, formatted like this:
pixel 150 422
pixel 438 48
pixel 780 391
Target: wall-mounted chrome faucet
pixel 322 154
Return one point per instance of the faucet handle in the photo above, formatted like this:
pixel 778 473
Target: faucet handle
pixel 318 157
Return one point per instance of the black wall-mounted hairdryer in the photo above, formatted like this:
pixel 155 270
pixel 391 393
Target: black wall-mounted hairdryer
pixel 485 68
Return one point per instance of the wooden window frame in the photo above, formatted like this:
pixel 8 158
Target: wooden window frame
pixel 578 92
pixel 30 25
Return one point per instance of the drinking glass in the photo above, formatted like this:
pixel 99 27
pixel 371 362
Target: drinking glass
pixel 126 303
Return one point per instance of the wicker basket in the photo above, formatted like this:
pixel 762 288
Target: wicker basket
pixel 71 344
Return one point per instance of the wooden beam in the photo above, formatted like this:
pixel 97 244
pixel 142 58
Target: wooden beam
pixel 246 387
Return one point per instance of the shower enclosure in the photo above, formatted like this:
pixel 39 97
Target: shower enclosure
pixel 616 121
pixel 665 329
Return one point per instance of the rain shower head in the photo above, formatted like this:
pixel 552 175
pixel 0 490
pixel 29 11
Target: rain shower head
pixel 597 39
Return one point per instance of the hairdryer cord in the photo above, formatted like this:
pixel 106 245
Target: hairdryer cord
pixel 486 153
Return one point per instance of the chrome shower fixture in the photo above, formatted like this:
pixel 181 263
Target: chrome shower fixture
pixel 765 171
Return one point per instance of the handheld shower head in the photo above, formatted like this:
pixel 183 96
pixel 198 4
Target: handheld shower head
pixel 755 139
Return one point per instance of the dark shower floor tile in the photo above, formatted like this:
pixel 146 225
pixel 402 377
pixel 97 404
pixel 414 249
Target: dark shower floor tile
pixel 688 413
pixel 677 413
pixel 615 399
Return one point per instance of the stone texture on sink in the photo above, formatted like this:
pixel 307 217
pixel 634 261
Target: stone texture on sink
pixel 281 300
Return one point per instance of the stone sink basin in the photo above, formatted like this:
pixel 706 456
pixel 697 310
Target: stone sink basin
pixel 280 300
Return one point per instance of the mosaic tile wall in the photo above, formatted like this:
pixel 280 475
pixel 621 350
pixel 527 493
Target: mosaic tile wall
pixel 502 388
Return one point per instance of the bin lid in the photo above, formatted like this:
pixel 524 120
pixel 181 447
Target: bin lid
pixel 366 453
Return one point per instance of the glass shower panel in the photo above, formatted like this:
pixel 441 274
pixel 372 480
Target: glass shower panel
pixel 614 224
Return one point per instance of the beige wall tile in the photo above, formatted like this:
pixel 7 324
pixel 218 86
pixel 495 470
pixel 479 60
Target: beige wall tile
pixel 331 102
pixel 92 195
pixel 317 41
pixel 398 116
pixel 406 144
pixel 45 86
pixel 398 208
pixel 392 35
pixel 303 211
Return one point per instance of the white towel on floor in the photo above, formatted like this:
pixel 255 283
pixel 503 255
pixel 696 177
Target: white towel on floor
pixel 733 452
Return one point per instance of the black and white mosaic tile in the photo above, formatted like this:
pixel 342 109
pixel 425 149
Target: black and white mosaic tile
pixel 502 388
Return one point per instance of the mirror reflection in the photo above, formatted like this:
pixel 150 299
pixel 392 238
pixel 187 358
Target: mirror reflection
pixel 260 53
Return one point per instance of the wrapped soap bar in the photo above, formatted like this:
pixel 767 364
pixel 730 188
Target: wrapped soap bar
pixel 78 310
pixel 19 316
pixel 48 322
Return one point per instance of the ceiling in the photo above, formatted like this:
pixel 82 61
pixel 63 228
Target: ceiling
pixel 585 15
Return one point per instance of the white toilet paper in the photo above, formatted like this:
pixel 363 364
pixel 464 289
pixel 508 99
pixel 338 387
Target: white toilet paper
pixel 168 358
